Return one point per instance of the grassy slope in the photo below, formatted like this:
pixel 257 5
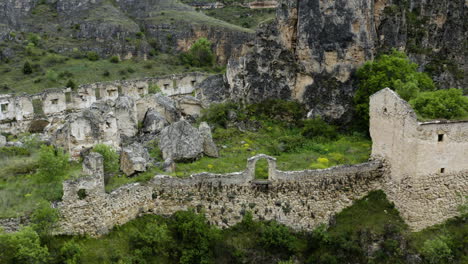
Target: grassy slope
pixel 242 16
pixel 82 71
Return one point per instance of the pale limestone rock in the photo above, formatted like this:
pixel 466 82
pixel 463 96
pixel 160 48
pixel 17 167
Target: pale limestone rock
pixel 154 122
pixel 209 147
pixel 181 141
pixel 133 159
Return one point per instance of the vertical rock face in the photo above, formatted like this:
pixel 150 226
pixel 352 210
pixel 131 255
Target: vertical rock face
pixel 312 50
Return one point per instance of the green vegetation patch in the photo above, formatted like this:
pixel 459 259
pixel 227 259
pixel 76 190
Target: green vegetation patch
pixel 243 16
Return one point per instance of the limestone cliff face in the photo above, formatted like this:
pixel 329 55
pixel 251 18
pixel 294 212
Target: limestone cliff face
pixel 312 50
pixel 113 27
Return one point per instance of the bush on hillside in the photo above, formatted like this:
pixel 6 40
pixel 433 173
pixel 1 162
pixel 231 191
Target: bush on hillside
pixel 27 68
pixel 199 54
pixel 22 247
pixel 114 59
pixel 221 114
pixel 53 164
pixel 394 71
pixel 111 158
pixel 447 104
pixel 92 56
pixel 290 112
pixel 317 128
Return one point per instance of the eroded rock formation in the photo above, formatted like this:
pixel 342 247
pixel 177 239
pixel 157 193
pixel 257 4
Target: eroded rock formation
pixel 312 50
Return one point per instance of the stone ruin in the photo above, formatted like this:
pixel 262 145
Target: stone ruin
pixel 299 199
pixel 32 113
pixel 420 166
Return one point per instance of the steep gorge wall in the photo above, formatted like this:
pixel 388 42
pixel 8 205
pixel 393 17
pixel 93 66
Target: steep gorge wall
pixel 113 27
pixel 313 49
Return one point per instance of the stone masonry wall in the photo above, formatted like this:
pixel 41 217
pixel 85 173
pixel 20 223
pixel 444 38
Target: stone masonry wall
pixel 301 203
pixel 17 112
pixel 415 149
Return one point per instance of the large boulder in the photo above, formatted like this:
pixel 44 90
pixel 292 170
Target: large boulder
pixel 209 147
pixel 154 122
pixel 134 158
pixel 181 142
pixel 126 114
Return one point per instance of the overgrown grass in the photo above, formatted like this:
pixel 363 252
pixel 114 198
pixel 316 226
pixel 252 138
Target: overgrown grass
pixel 53 70
pixel 243 16
pixel 21 191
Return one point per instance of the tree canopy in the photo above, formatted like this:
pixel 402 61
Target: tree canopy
pixel 394 71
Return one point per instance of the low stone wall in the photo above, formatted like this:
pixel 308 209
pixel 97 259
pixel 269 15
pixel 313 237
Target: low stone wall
pixel 300 203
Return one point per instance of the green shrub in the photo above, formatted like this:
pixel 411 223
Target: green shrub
pixel 290 112
pixel 447 104
pixel 317 128
pixel 154 89
pixel 44 219
pixel 219 114
pixel 195 237
pixel 27 68
pixel 111 158
pixel 22 247
pixel 51 75
pixel 437 251
pixel 53 164
pixel 71 252
pixel 114 59
pixel 277 237
pixel 199 54
pixel 394 71
pixel 71 84
pixel 106 73
pixel 92 56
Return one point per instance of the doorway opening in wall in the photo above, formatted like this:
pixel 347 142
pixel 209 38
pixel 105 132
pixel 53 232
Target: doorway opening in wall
pixel 4 108
pixel 97 93
pixel 261 170
pixel 68 98
pixel 38 108
pixel 54 101
pixel 193 83
pixel 440 137
pixel 442 170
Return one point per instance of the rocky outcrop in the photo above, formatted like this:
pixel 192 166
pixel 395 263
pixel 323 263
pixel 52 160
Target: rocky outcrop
pixel 213 89
pixel 181 142
pixel 134 158
pixel 154 122
pixel 116 27
pixel 312 50
pixel 209 147
pixel 161 104
pixel 107 122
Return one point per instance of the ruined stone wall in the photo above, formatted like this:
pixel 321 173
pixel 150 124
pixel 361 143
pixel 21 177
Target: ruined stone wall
pixel 415 149
pixel 18 112
pixel 301 203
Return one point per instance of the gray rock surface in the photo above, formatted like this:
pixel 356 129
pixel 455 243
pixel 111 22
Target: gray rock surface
pixel 180 142
pixel 209 147
pixel 213 89
pixel 312 50
pixel 134 158
pixel 154 122
pixel 169 165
